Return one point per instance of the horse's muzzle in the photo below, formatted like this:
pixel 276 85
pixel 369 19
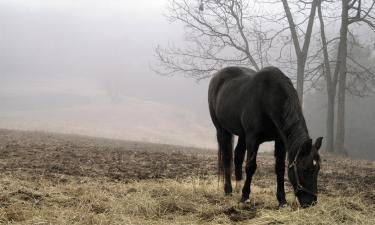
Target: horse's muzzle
pixel 307 200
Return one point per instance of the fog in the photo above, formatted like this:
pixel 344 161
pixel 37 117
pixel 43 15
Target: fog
pixel 84 67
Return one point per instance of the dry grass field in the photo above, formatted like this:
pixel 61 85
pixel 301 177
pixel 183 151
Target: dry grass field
pixel 65 179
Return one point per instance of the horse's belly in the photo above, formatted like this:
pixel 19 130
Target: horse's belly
pixel 232 127
pixel 268 136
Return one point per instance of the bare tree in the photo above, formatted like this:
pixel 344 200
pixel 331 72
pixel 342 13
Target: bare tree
pixel 301 52
pixel 339 76
pixel 218 33
pixel 361 15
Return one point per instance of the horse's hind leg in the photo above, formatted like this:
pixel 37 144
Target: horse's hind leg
pixel 251 165
pixel 224 139
pixel 239 156
pixel 280 172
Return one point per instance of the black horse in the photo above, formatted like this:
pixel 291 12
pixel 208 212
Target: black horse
pixel 258 107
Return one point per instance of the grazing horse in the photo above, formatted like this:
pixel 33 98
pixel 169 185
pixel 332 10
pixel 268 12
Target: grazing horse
pixel 258 107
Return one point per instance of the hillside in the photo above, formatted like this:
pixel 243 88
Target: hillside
pixel 130 118
pixel 48 178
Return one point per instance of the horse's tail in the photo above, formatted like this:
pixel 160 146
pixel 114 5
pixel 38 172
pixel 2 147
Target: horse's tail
pixel 224 138
pixel 220 167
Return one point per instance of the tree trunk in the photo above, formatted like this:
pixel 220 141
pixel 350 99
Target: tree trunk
pixel 300 80
pixel 340 129
pixel 330 84
pixel 330 122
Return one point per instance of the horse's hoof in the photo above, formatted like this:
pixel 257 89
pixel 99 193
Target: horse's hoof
pixel 285 206
pixel 228 190
pixel 244 203
pixel 244 200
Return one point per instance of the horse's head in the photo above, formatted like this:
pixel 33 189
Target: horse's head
pixel 303 172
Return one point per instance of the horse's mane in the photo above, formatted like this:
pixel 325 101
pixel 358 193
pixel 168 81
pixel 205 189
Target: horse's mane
pixel 293 121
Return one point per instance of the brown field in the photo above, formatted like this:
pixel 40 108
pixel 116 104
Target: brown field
pixel 67 179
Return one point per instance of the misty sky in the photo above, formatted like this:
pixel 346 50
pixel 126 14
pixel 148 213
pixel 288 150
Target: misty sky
pixel 98 44
pixel 55 55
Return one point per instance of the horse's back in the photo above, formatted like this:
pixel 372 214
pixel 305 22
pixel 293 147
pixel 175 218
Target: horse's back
pixel 237 95
pixel 230 73
pixel 229 76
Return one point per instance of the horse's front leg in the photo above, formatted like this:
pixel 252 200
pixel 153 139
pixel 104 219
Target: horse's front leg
pixel 280 172
pixel 251 166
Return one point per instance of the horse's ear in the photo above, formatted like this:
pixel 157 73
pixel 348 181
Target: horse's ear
pixel 318 143
pixel 306 147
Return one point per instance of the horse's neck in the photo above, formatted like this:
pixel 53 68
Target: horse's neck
pixel 295 137
pixel 292 125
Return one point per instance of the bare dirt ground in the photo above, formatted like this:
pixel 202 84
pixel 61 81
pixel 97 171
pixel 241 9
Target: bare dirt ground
pixel 67 179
